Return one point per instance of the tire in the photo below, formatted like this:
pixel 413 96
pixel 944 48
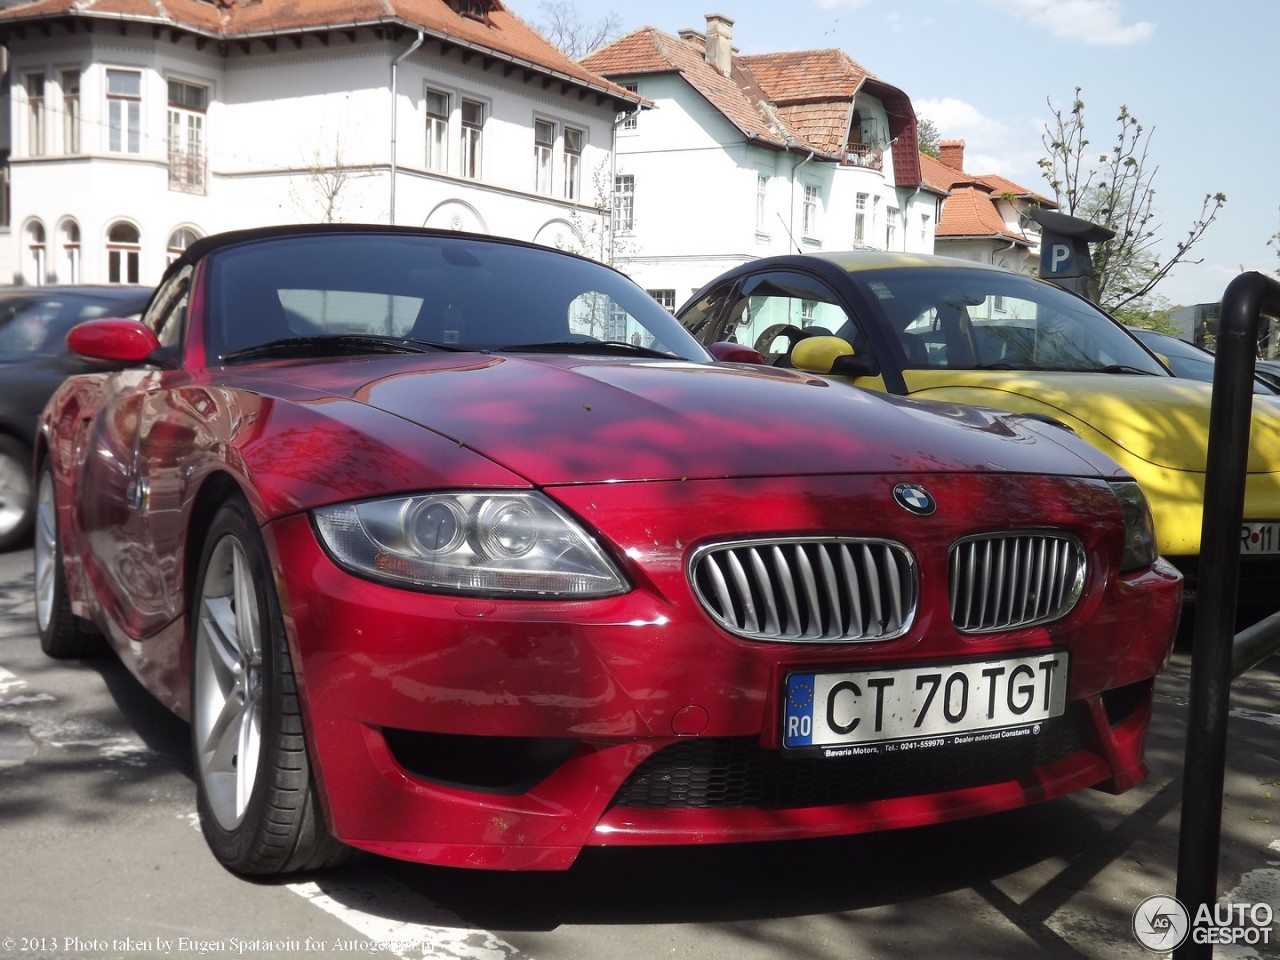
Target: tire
pixel 17 507
pixel 254 792
pixel 63 635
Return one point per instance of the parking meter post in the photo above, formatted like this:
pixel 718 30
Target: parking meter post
pixel 1065 258
pixel 1213 645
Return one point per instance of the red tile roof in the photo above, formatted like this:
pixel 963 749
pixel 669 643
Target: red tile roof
pixel 648 50
pixel 800 99
pixel 503 33
pixel 806 75
pixel 969 212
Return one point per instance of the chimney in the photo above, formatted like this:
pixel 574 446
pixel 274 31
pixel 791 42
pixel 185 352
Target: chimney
pixel 951 152
pixel 720 42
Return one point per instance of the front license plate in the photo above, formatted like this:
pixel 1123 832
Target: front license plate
pixel 955 702
pixel 1259 538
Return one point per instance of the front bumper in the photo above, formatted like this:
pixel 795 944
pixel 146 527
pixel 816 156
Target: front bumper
pixel 511 734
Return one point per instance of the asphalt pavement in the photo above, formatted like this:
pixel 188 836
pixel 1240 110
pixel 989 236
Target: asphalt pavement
pixel 101 857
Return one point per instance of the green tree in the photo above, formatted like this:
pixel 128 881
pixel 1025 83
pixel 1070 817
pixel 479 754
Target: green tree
pixel 1116 191
pixel 1153 312
pixel 927 137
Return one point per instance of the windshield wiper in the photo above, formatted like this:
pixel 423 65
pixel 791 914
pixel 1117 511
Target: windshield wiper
pixel 1125 368
pixel 343 345
pixel 584 346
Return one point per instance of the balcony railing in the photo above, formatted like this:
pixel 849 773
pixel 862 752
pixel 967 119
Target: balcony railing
pixel 862 155
pixel 187 172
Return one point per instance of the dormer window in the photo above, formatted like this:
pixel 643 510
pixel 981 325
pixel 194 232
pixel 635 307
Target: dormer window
pixel 471 9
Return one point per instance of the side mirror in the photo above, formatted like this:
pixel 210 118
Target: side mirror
pixel 120 341
pixel 734 352
pixel 832 356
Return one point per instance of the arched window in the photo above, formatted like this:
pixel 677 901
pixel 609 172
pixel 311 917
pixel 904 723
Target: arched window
pixel 33 267
pixel 179 240
pixel 68 264
pixel 124 245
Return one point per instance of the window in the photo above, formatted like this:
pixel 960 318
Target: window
pixel 860 219
pixel 179 240
pixel 810 218
pixel 35 115
pixel 890 228
pixel 69 255
pixel 573 163
pixel 544 138
pixel 123 250
pixel 124 111
pixel 924 231
pixel 472 128
pixel 33 268
pixel 70 111
pixel 624 203
pixel 666 297
pixel 762 189
pixel 168 310
pixel 187 105
pixel 773 301
pixel 437 131
pixel 630 122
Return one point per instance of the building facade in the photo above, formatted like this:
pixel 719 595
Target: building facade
pixel 749 156
pixel 135 129
pixel 983 216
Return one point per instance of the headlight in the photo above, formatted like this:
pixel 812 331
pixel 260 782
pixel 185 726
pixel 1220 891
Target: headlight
pixel 519 544
pixel 1139 528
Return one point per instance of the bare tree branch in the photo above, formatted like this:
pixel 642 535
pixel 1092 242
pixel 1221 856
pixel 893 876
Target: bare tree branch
pixel 1116 191
pixel 567 28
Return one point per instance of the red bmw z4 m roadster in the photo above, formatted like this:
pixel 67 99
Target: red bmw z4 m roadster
pixel 461 550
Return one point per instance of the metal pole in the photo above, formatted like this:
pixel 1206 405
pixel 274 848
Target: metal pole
pixel 395 63
pixel 1200 828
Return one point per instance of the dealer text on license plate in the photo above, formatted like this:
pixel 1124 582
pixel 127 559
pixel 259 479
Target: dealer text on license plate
pixel 1259 537
pixel 923 702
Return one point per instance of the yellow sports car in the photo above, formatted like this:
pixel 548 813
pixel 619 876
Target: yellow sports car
pixel 937 328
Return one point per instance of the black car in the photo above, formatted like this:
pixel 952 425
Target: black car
pixel 1195 363
pixel 33 361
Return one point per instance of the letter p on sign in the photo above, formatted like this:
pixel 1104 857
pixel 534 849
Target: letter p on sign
pixel 1059 254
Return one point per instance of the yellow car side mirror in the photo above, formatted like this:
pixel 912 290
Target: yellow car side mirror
pixel 832 356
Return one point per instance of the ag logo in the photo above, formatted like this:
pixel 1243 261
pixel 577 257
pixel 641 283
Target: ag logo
pixel 914 499
pixel 1160 924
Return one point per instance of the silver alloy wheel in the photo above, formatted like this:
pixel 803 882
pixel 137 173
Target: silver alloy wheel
pixel 46 551
pixel 15 493
pixel 226 712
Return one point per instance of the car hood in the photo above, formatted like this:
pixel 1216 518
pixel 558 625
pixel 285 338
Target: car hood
pixel 564 419
pixel 1162 420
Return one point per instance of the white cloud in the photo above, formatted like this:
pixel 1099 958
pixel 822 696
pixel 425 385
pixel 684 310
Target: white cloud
pixel 1095 22
pixel 990 145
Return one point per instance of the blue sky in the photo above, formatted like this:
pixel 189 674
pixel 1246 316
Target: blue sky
pixel 1199 75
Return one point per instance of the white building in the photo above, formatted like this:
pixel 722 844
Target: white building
pixel 135 128
pixel 984 217
pixel 748 156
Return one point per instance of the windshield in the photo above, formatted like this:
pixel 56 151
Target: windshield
pixel 289 294
pixel 987 319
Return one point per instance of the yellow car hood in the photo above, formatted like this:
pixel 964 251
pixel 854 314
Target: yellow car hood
pixel 1161 420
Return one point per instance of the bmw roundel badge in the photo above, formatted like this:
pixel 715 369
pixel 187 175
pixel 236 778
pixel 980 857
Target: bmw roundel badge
pixel 914 499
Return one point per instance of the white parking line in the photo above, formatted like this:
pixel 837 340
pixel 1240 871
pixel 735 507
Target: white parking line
pixel 1260 716
pixel 383 899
